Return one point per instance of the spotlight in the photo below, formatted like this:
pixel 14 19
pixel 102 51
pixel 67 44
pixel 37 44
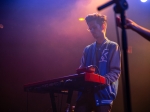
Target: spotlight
pixel 143 0
pixel 81 19
pixel 1 26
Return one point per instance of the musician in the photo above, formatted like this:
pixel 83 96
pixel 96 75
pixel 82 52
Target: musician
pixel 130 24
pixel 104 54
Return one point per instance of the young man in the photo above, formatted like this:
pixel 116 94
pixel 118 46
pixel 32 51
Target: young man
pixel 104 54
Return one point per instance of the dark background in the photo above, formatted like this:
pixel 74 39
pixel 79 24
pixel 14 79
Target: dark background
pixel 43 39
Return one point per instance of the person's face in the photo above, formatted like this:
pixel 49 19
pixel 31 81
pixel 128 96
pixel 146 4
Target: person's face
pixel 95 29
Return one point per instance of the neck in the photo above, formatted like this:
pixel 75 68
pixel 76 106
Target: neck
pixel 100 40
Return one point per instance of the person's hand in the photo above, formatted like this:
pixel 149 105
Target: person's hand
pixel 144 32
pixel 129 23
pixel 118 21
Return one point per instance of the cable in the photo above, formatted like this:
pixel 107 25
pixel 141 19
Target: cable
pixel 117 33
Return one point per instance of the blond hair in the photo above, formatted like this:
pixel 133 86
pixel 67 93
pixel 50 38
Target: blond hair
pixel 100 19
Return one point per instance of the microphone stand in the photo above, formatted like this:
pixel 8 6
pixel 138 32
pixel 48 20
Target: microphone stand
pixel 120 7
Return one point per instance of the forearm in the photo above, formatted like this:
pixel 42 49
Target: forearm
pixel 114 67
pixel 112 76
pixel 142 31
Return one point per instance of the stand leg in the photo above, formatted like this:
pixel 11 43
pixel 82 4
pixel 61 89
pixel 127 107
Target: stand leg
pixel 53 101
pixel 70 92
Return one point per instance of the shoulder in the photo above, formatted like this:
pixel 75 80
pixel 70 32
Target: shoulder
pixel 89 46
pixel 113 44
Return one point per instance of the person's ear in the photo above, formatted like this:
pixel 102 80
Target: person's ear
pixel 103 26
